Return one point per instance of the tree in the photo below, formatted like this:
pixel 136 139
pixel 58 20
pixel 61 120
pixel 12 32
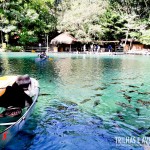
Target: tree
pixel 145 37
pixel 29 19
pixel 112 25
pixel 137 14
pixel 81 18
pixel 141 8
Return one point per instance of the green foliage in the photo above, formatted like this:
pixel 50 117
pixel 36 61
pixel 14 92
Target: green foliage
pixel 145 37
pixel 27 37
pixel 87 20
pixel 14 48
pixel 112 24
pixel 139 7
pixel 28 19
pixel 136 13
pixel 81 18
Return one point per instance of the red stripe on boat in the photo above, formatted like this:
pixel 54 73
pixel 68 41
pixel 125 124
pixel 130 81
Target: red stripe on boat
pixel 4 136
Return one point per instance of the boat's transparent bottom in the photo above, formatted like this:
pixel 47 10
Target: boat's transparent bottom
pixel 9 119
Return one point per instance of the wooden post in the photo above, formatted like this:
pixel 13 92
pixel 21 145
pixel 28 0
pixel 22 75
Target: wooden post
pixel 47 45
pixel 70 48
pixel 130 44
pixel 126 37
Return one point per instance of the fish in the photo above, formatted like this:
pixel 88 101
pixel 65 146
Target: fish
pixel 97 102
pixel 127 97
pixel 117 79
pixel 123 105
pixel 133 86
pixel 120 115
pixel 71 103
pixel 144 93
pixel 144 103
pixel 84 101
pixel 44 94
pixel 115 83
pixel 98 94
pixel 100 88
pixel 122 91
pixel 138 111
pixel 124 78
pixel 132 91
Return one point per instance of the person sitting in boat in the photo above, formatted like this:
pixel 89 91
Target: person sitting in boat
pixel 42 55
pixel 13 98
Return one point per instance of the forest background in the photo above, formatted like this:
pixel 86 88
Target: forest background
pixel 26 22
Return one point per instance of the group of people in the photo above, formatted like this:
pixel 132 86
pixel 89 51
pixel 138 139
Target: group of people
pixel 97 48
pixel 13 98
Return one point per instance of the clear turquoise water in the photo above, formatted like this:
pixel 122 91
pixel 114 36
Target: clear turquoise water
pixel 84 101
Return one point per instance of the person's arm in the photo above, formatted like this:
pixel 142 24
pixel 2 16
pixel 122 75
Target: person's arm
pixel 28 99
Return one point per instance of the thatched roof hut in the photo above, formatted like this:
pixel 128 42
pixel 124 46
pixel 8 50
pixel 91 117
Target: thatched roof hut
pixel 63 38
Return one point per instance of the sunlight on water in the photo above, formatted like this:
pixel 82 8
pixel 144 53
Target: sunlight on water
pixel 85 101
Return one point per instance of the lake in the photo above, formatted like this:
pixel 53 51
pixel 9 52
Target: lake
pixel 86 102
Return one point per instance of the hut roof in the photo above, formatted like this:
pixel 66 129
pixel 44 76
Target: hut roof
pixel 63 38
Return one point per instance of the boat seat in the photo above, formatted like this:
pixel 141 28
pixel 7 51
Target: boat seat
pixel 2 91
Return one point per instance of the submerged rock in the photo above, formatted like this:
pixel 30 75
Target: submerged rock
pixel 62 107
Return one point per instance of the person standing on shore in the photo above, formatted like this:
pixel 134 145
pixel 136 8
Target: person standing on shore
pixel 109 48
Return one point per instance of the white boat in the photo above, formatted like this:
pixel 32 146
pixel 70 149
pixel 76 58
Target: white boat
pixel 10 129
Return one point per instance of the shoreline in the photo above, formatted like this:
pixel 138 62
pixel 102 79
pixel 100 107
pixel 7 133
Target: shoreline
pixel 132 52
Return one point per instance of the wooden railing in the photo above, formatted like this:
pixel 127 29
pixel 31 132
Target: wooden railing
pixel 36 49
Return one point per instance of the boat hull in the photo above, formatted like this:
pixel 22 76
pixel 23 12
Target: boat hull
pixel 41 59
pixel 13 129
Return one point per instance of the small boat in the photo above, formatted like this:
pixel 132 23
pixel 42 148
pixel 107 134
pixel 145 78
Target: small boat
pixel 41 59
pixel 10 128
